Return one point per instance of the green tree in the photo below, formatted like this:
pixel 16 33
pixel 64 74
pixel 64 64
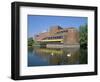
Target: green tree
pixel 30 41
pixel 83 36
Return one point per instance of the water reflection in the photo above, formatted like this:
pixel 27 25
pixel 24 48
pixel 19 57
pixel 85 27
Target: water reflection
pixel 63 56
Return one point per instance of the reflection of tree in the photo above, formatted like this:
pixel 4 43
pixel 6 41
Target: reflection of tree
pixel 83 56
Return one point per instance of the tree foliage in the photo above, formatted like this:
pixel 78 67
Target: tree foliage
pixel 30 41
pixel 83 36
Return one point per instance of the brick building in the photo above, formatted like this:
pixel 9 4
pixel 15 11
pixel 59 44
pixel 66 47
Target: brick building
pixel 59 35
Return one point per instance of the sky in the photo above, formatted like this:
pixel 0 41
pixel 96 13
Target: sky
pixel 40 23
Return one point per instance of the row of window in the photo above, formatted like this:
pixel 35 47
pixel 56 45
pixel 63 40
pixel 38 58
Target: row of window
pixel 55 37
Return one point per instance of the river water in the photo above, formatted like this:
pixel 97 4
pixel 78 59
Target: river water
pixel 59 56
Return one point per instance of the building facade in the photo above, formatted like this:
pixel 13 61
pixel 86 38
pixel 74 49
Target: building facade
pixel 59 35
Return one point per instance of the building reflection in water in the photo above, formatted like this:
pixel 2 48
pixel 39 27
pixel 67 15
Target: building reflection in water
pixel 64 56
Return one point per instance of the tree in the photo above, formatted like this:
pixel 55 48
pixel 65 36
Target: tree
pixel 30 41
pixel 83 36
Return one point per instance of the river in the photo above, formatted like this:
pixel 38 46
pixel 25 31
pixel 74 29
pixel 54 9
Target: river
pixel 59 56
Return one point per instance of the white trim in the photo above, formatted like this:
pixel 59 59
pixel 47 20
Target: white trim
pixel 24 70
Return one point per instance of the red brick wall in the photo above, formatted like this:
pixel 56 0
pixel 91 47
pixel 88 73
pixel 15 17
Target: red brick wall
pixel 54 30
pixel 41 36
pixel 72 37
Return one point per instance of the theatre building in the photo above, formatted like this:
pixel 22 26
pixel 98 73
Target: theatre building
pixel 60 37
